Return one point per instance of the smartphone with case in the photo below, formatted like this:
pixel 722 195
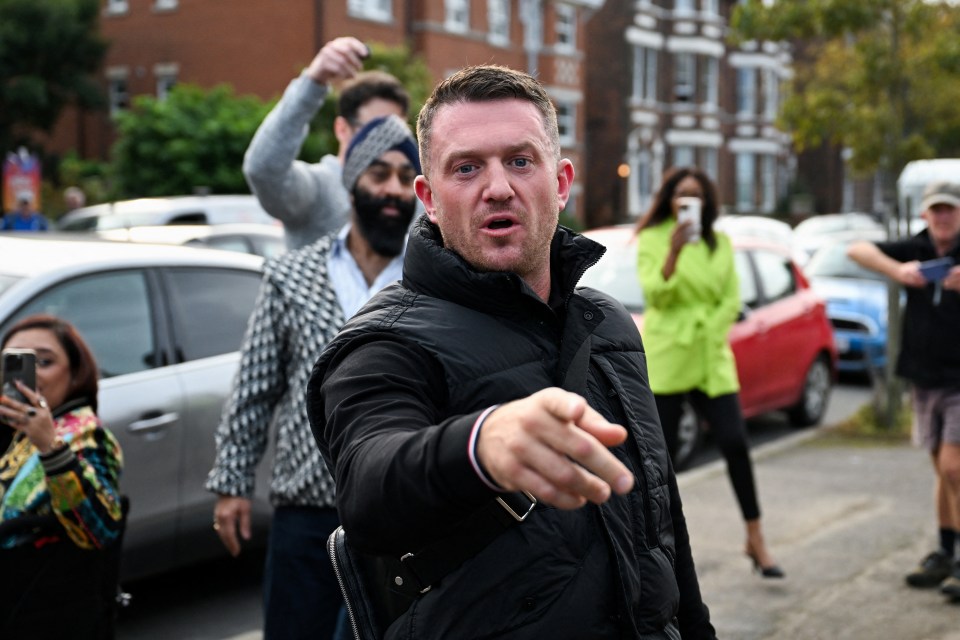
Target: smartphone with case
pixel 936 270
pixel 18 364
pixel 688 209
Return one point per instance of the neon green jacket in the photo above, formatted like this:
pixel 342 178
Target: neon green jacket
pixel 687 318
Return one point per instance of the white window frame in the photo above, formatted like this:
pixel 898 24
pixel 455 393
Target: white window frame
pixel 566 27
pixel 118 90
pixel 746 181
pixel 457 15
pixel 117 7
pixel 567 123
pixel 771 94
pixel 684 76
pixel 746 91
pixel 710 79
pixel 710 7
pixel 378 10
pixel 710 163
pixel 498 22
pixel 683 155
pixel 644 74
pixel 768 184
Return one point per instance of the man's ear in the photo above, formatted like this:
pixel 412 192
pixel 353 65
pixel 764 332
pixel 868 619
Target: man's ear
pixel 422 186
pixel 343 131
pixel 565 175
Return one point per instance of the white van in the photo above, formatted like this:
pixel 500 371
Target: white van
pixel 211 209
pixel 917 175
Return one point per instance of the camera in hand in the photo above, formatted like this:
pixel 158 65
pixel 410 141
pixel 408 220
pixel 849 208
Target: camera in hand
pixel 18 364
pixel 688 209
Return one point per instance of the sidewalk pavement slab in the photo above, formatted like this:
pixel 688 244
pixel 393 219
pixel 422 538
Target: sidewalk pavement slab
pixel 846 519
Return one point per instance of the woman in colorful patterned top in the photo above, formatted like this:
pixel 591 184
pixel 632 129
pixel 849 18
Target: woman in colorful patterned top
pixel 60 461
pixel 693 298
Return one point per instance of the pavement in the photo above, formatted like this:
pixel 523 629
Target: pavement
pixel 846 519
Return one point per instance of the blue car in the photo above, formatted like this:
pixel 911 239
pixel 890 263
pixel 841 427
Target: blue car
pixel 857 303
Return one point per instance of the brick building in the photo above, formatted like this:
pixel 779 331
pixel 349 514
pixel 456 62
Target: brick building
pixel 664 89
pixel 259 46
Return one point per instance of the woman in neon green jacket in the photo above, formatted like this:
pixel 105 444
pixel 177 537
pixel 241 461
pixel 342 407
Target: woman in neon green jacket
pixel 692 300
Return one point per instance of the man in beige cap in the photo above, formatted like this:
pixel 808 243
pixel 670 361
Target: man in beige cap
pixel 927 265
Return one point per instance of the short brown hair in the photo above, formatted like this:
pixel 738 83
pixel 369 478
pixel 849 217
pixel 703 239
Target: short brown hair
pixel 83 367
pixel 486 83
pixel 366 86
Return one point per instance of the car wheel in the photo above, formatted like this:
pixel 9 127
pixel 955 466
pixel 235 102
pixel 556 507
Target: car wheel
pixel 816 393
pixel 688 437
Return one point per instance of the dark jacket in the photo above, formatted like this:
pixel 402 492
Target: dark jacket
pixel 929 353
pixel 481 339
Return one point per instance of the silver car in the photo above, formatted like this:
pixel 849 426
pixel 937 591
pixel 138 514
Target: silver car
pixel 165 324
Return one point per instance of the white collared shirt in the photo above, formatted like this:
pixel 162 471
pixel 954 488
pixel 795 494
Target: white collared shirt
pixel 347 278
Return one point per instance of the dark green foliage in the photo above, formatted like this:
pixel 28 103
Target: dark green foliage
pixel 49 51
pixel 193 138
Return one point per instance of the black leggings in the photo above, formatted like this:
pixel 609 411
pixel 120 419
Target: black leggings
pixel 726 424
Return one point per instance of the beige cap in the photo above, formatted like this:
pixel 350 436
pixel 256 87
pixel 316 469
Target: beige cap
pixel 940 193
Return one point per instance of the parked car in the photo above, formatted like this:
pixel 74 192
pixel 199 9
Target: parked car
pixel 857 305
pixel 762 228
pixel 165 324
pixel 258 239
pixel 818 230
pixel 216 209
pixel 786 358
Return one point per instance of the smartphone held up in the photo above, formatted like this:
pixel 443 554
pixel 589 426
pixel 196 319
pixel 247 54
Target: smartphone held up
pixel 688 210
pixel 17 364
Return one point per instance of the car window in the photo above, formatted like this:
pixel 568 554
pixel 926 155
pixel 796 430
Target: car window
pixel 111 311
pixel 6 282
pixel 269 247
pixel 832 262
pixel 616 275
pixel 749 295
pixel 210 308
pixel 776 275
pixel 227 243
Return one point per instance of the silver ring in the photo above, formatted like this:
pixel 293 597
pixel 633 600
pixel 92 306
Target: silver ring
pixel 43 403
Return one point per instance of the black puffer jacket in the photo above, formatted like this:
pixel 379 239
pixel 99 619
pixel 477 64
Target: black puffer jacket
pixel 619 570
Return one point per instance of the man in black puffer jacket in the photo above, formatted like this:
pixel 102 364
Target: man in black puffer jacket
pixel 442 395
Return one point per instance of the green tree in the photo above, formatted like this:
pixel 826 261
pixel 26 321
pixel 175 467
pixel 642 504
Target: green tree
pixel 193 138
pixel 197 138
pixel 878 77
pixel 49 50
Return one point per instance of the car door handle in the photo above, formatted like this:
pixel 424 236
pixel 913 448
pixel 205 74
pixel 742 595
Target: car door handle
pixel 154 423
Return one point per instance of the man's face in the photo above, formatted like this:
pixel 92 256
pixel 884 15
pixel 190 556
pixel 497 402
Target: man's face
pixel 495 188
pixel 384 202
pixel 943 221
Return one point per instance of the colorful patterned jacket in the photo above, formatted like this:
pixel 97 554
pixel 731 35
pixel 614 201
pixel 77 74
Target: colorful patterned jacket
pixel 79 483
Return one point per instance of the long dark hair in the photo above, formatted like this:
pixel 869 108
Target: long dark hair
pixel 83 367
pixel 662 207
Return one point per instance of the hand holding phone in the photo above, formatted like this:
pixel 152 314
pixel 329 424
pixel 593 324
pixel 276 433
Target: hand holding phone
pixel 688 210
pixel 18 364
pixel 937 269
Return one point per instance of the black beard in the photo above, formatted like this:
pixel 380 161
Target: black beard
pixel 384 233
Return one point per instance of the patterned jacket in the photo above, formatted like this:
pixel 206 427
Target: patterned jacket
pixel 78 484
pixel 296 315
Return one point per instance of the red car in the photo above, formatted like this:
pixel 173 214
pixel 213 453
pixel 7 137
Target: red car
pixel 783 342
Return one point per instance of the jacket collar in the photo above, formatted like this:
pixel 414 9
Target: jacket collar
pixel 434 270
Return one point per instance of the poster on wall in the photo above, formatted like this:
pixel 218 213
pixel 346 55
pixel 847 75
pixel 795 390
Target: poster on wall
pixel 21 176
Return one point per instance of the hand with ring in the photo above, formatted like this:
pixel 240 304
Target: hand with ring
pixel 33 418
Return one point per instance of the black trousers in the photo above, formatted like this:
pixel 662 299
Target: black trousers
pixel 725 419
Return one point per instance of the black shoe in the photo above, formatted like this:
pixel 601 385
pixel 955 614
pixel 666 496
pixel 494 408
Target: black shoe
pixel 951 586
pixel 934 569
